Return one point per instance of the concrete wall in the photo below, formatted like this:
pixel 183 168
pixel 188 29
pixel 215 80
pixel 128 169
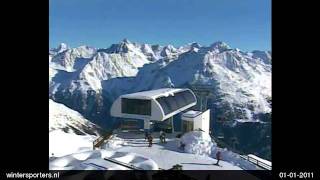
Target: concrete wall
pixel 205 121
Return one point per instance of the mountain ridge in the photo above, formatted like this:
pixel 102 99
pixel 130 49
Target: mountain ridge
pixel 88 80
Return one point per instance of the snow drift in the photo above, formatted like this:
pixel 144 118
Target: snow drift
pixel 114 142
pixel 94 160
pixel 62 143
pixel 198 142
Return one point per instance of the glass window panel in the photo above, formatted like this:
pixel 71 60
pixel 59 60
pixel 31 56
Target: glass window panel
pixel 136 106
pixel 180 100
pixel 163 105
pixel 189 97
pixel 173 103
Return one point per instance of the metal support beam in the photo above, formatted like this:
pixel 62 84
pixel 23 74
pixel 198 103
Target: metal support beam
pixel 205 104
pixel 146 125
pixel 200 102
pixel 172 126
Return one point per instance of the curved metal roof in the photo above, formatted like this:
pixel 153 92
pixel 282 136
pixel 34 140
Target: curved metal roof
pixel 152 94
pixel 157 104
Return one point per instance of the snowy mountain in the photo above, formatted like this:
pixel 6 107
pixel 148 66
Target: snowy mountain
pixel 70 121
pixel 88 80
pixel 83 68
pixel 69 131
pixel 71 60
pixel 239 81
pixel 265 56
pixel 62 47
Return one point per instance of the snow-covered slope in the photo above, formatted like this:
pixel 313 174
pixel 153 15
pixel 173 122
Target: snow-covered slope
pixel 69 131
pixel 74 152
pixel 52 73
pixel 83 68
pixel 106 66
pixel 63 143
pixel 69 121
pixel 95 160
pixel 199 152
pixel 73 59
pixel 62 47
pixel 200 143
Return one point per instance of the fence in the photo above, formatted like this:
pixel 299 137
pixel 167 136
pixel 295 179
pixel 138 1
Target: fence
pixel 130 166
pixel 248 158
pixel 256 162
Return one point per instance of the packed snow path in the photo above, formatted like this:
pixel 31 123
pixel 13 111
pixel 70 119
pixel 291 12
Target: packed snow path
pixel 168 154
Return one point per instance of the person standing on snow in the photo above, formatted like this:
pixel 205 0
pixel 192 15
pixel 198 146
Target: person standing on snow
pixel 162 137
pixel 150 140
pixel 218 157
pixel 182 145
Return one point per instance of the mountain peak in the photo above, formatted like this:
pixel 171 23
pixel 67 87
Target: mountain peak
pixel 195 45
pixel 168 50
pixel 170 47
pixel 126 40
pixel 219 45
pixel 122 47
pixel 62 47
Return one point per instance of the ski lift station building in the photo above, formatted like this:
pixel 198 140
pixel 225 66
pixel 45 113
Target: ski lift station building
pixel 159 105
pixel 154 105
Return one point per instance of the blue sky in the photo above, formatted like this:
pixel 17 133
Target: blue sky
pixel 243 24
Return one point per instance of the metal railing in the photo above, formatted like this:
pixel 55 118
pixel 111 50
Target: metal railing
pixel 248 158
pixel 130 166
pixel 256 162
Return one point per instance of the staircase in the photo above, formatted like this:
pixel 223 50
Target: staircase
pixel 100 140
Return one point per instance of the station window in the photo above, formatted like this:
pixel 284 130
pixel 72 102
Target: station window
pixel 136 106
pixel 179 100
